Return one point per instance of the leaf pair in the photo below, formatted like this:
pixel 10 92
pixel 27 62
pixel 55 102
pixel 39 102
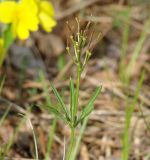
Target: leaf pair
pixel 70 118
pixel 87 110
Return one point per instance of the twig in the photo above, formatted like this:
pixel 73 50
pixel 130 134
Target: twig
pixel 17 107
pixel 75 8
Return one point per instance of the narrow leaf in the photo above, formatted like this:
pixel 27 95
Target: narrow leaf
pixel 59 100
pixel 8 36
pixel 129 112
pixel 57 113
pixel 89 107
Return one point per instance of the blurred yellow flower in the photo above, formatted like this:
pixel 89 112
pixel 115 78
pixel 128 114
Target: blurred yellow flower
pixel 25 16
pixel 46 14
pixel 21 15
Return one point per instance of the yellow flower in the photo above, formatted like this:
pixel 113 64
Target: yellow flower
pixel 22 16
pixel 46 14
pixel 25 16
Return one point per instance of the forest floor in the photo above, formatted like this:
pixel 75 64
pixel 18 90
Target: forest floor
pixel 125 37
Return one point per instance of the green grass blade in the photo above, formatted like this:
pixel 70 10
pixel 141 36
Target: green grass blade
pixel 54 121
pixel 34 139
pixel 51 138
pixel 52 110
pixel 125 38
pixel 60 100
pixel 138 49
pixel 129 112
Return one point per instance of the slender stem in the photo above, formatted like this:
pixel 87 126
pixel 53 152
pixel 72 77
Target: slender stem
pixel 35 140
pixel 72 144
pixel 78 141
pixel 35 144
pixel 72 138
pixel 77 87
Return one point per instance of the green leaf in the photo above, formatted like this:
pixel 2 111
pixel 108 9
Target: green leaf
pixel 58 114
pixel 72 97
pixel 129 112
pixel 8 36
pixel 89 107
pixel 60 100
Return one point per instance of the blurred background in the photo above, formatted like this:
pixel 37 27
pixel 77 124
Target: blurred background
pixel 118 60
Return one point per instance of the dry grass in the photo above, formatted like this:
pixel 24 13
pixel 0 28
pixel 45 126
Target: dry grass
pixel 103 136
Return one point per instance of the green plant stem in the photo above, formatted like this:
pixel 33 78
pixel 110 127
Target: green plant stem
pixel 77 87
pixel 72 138
pixel 77 145
pixel 122 65
pixel 137 50
pixel 72 144
pixel 35 144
